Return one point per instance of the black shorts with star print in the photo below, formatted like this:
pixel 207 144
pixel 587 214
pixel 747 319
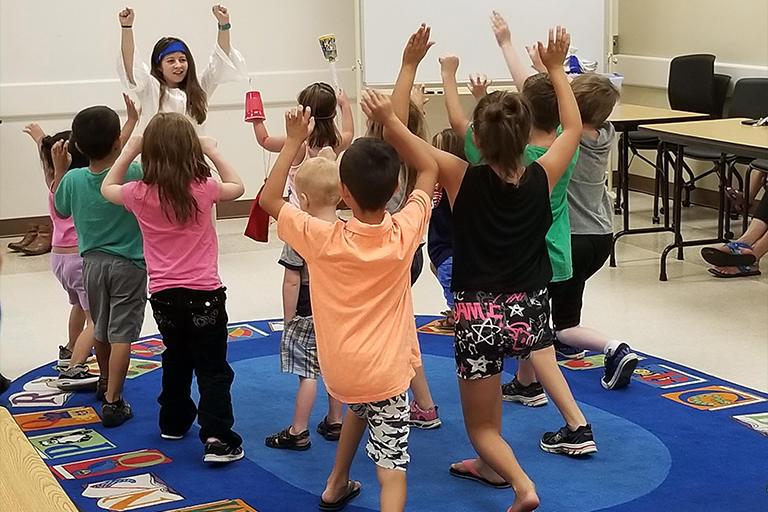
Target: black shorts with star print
pixel 494 326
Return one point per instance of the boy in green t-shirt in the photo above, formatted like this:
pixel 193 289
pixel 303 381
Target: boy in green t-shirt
pixel 109 240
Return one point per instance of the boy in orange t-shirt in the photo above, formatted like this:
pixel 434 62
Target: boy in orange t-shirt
pixel 363 312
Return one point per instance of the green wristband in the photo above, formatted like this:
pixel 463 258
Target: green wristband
pixel 225 27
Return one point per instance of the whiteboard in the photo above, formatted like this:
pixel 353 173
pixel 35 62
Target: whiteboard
pixel 463 27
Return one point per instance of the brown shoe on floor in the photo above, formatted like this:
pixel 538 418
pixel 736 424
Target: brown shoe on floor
pixel 41 244
pixel 29 237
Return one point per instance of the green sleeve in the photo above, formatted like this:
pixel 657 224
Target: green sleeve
pixel 470 150
pixel 62 197
pixel 135 173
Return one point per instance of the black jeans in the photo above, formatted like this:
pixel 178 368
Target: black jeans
pixel 194 328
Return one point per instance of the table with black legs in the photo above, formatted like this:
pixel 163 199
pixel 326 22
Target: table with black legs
pixel 729 137
pixel 626 118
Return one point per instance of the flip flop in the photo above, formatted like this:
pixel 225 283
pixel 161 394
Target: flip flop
pixel 743 272
pixel 353 489
pixel 734 258
pixel 472 474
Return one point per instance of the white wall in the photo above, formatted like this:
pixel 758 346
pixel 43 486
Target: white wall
pixel 58 57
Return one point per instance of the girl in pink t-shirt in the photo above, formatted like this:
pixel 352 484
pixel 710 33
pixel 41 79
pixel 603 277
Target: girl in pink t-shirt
pixel 173 204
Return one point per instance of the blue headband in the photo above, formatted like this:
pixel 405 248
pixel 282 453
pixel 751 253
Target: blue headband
pixel 175 46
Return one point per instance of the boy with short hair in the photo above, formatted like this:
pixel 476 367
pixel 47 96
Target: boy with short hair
pixel 317 187
pixel 110 242
pixel 591 214
pixel 363 311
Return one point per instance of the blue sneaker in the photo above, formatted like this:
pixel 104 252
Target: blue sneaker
pixel 567 351
pixel 619 367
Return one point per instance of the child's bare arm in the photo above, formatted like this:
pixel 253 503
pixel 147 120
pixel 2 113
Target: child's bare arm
pixel 415 50
pixel 113 181
pixel 411 148
pixel 449 64
pixel 299 123
pixel 291 287
pixel 557 159
pixel 347 123
pixel 127 17
pixel 231 186
pixel 271 143
pixel 503 37
pixel 131 122
pixel 223 37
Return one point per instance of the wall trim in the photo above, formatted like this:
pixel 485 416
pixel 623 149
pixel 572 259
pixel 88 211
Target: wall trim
pixel 641 71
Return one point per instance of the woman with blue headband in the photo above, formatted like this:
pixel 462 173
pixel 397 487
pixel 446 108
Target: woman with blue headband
pixel 171 84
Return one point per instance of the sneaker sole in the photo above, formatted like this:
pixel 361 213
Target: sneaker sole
pixel 223 458
pixel 66 383
pixel 570 449
pixel 623 375
pixel 530 402
pixel 578 355
pixel 425 425
pixel 169 437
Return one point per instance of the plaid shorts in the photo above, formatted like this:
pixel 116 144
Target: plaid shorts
pixel 493 326
pixel 298 348
pixel 387 431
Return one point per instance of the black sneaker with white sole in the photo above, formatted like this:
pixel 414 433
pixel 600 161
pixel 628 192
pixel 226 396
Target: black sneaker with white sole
pixel 531 395
pixel 76 377
pixel 569 442
pixel 619 367
pixel 65 356
pixel 172 437
pixel 116 413
pixel 567 351
pixel 217 451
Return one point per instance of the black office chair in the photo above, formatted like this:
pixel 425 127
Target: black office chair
pixel 692 86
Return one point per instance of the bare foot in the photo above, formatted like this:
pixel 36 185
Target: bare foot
pixel 727 270
pixel 483 469
pixel 334 493
pixel 526 500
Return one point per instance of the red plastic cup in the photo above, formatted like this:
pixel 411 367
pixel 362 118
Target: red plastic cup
pixel 254 107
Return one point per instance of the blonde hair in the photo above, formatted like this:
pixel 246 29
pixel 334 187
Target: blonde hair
pixel 318 178
pixel 596 96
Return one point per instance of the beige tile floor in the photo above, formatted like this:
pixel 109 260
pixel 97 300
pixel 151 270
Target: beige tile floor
pixel 717 326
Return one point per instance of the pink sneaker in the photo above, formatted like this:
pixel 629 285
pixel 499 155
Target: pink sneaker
pixel 426 420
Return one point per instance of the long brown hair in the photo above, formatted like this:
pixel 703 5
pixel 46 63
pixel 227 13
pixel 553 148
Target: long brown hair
pixel 173 160
pixel 197 99
pixel 502 125
pixel 321 98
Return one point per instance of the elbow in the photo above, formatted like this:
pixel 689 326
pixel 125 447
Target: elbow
pixel 239 191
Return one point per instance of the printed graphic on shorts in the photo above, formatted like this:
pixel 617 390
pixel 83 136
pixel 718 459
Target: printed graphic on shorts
pixel 43 420
pixel 586 363
pixel 276 326
pixel 152 347
pixel 136 368
pixel 757 422
pixel 109 464
pixel 663 376
pixel 69 443
pixel 240 332
pixel 434 327
pixel 714 397
pixel 130 493
pixel 40 392
pixel 219 506
pixel 387 431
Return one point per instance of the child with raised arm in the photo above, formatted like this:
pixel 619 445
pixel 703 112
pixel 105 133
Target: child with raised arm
pixel 317 187
pixel 109 240
pixel 170 83
pixel 172 203
pixel 501 269
pixel 363 311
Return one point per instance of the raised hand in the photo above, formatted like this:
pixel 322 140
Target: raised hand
pixel 533 53
pixel 449 64
pixel 126 17
pixel 209 144
pixel 377 107
pixel 478 85
pixel 417 47
pixel 299 123
pixel 130 107
pixel 221 13
pixel 341 98
pixel 553 56
pixel 418 96
pixel 61 157
pixel 34 131
pixel 500 29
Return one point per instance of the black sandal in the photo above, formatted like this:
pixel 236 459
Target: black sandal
pixel 330 431
pixel 285 440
